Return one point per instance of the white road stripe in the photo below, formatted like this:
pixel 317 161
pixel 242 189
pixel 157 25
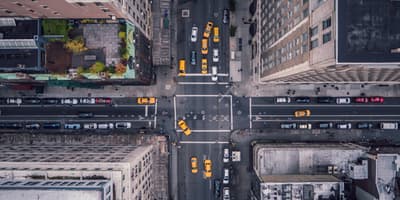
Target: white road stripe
pixel 203 83
pixel 326 105
pixel 208 131
pixel 326 116
pixel 155 114
pixel 208 74
pixel 250 113
pixel 320 120
pixel 204 142
pixel 174 112
pixel 202 95
pixel 81 120
pixel 146 111
pixel 231 113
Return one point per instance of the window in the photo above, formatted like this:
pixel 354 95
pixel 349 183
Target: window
pixel 105 10
pixel 314 31
pixel 98 4
pixel 305 13
pixel 326 38
pixel 326 23
pixel 304 48
pixel 44 6
pixel 314 44
pixel 305 1
pixel 80 4
pixel 18 4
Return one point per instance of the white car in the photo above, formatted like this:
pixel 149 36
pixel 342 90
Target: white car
pixel 123 125
pixel 193 38
pixel 226 176
pixel 226 195
pixel 215 55
pixel 87 100
pixel 69 101
pixel 343 100
pixel 214 73
pixel 305 126
pixel 14 101
pixel 226 155
pixel 282 100
pixel 90 126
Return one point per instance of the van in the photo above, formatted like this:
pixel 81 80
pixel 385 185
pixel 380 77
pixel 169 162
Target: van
pixel 204 46
pixel 216 34
pixel 389 125
pixel 214 73
pixel 182 67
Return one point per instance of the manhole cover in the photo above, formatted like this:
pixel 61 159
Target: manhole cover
pixel 185 13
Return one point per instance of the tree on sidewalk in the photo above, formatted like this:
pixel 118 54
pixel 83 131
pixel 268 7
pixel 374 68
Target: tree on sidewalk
pixel 232 30
pixel 232 5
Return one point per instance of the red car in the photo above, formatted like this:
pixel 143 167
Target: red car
pixel 103 101
pixel 361 99
pixel 376 99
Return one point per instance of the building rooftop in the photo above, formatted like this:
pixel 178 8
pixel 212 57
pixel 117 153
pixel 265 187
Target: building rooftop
pixel 278 159
pixel 53 184
pixel 68 153
pixel 368 31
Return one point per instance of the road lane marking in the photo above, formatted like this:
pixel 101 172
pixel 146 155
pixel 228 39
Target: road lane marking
pixel 200 74
pixel 174 112
pixel 313 116
pixel 209 131
pixel 155 114
pixel 146 110
pixel 231 113
pixel 320 120
pixel 203 83
pixel 327 105
pixel 250 113
pixel 202 95
pixel 204 142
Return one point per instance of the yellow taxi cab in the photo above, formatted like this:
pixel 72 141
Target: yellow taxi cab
pixel 182 67
pixel 204 46
pixel 207 30
pixel 193 162
pixel 146 100
pixel 216 34
pixel 204 67
pixel 207 168
pixel 186 130
pixel 302 113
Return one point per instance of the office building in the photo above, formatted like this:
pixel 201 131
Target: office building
pixel 327 41
pixel 128 168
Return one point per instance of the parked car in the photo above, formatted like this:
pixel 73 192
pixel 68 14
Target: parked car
pixel 325 99
pixel 85 115
pixel 52 125
pixel 50 101
pixel 217 188
pixel 303 100
pixel 364 125
pixel 343 125
pixel 226 176
pixel 193 36
pixel 3 101
pixel 361 99
pixel 302 113
pixel 305 126
pixel 72 126
pixel 105 126
pixel 343 100
pixel 226 155
pixel 282 100
pixel 376 99
pixel 123 125
pixel 32 126
pixel 14 101
pixel 215 55
pixel 70 101
pixel 225 18
pixel 31 100
pixel 90 126
pixel 226 194
pixel 288 125
pixel 389 125
pixel 193 58
pixel 87 100
pixel 13 125
pixel 325 125
pixel 103 100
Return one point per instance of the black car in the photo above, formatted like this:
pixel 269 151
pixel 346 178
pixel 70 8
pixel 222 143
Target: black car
pixel 85 115
pixel 52 125
pixel 325 100
pixel 217 188
pixel 303 100
pixel 288 126
pixel 225 18
pixel 31 101
pixel 14 125
pixel 325 125
pixel 50 101
pixel 32 126
pixel 364 125
pixel 193 56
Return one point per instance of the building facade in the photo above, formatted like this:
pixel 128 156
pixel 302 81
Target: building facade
pixel 326 41
pixel 129 168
